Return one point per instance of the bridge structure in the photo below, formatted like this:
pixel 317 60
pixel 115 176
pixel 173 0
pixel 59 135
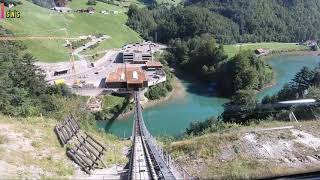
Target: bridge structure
pixel 148 160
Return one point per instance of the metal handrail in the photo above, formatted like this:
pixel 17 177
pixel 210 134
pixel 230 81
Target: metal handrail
pixel 176 169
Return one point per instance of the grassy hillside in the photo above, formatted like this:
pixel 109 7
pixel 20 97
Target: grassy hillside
pixel 29 149
pixel 245 152
pixel 231 50
pixel 38 21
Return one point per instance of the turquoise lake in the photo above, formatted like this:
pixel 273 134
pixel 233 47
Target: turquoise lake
pixel 175 115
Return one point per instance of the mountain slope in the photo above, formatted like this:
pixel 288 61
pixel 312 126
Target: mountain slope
pixel 255 151
pixel 38 21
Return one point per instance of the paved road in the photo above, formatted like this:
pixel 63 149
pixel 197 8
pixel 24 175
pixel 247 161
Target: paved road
pixel 90 43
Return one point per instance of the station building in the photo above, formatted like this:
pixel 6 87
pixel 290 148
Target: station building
pixel 129 78
pixel 138 53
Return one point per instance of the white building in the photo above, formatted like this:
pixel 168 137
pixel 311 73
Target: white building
pixel 62 9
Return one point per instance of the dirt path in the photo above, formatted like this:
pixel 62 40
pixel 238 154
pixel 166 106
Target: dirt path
pixel 114 172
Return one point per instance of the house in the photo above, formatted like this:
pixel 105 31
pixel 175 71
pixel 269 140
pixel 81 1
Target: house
pixel 115 12
pixel 129 78
pixel 90 10
pixel 61 9
pixel 261 52
pixel 311 43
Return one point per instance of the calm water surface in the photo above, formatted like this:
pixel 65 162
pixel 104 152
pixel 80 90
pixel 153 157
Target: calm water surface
pixel 174 116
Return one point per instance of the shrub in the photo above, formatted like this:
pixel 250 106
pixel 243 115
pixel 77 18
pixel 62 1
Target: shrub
pixel 157 91
pixel 209 125
pixel 169 86
pixel 91 2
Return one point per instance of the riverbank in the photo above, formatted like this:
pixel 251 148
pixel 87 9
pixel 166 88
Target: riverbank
pixel 283 53
pixel 177 92
pixel 291 53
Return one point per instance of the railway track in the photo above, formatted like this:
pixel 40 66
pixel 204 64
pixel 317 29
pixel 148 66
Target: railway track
pixel 141 167
pixel 148 160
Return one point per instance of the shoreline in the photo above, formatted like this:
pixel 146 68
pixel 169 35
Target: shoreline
pixel 269 85
pixel 178 91
pixel 292 53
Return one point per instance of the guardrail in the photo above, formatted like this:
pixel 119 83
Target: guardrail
pixel 173 169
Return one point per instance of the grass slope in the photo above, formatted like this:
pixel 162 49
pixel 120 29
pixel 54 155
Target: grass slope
pixel 38 21
pixel 29 149
pixel 233 49
pixel 227 155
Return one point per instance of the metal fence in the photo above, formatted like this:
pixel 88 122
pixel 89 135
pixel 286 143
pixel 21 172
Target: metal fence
pixel 175 167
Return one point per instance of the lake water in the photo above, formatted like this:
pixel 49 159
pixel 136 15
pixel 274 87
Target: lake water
pixel 175 115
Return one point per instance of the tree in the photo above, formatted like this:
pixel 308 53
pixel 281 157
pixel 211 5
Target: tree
pixel 316 78
pixel 314 48
pixel 313 93
pixel 234 21
pixel 243 72
pixel 240 108
pixel 199 55
pixel 302 80
pixel 91 2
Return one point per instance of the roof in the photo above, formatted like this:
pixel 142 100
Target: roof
pixel 60 70
pixel 143 48
pixel 62 8
pixel 90 8
pixel 260 50
pixel 129 75
pixel 153 64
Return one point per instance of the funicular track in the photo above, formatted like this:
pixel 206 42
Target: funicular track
pixel 148 160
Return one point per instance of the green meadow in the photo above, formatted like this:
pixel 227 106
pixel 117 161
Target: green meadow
pixel 233 49
pixel 38 21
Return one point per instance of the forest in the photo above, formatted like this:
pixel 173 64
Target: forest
pixel 204 59
pixel 196 30
pixel 232 21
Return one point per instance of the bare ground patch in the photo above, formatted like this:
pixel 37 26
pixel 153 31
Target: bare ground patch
pixel 253 151
pixel 31 150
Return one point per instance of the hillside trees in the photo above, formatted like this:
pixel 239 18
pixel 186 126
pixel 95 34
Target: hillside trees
pixel 142 21
pixel 204 59
pixel 21 81
pixel 164 23
pixel 200 56
pixel 232 21
pixel 23 90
